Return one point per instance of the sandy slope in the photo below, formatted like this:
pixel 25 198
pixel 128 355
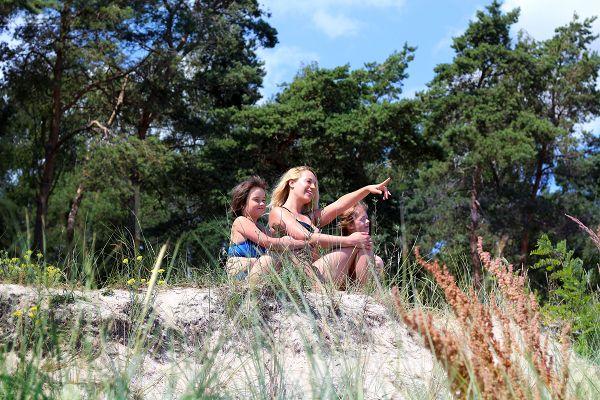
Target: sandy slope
pixel 235 345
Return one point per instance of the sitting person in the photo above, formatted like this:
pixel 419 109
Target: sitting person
pixel 248 254
pixel 295 212
pixel 356 219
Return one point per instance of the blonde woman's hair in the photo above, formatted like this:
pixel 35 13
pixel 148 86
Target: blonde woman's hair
pixel 282 189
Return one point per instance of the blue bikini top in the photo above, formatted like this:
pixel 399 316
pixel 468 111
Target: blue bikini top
pixel 247 249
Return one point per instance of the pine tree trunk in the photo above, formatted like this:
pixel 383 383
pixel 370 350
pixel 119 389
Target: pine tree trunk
pixel 474 226
pixel 530 207
pixel 51 146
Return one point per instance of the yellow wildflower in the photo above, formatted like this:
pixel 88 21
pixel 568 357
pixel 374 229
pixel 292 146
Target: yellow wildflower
pixel 18 314
pixel 39 255
pixel 160 271
pixel 143 280
pixel 131 281
pixel 51 270
pixel 125 261
pixel 139 258
pixel 161 282
pixel 32 311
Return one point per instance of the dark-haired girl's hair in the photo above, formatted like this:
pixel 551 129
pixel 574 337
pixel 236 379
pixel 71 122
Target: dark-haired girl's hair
pixel 239 194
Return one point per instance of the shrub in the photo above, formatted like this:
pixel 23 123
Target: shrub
pixel 479 360
pixel 570 300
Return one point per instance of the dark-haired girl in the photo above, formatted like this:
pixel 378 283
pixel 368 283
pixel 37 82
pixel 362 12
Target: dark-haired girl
pixel 248 255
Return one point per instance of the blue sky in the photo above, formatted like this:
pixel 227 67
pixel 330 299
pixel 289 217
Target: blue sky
pixel 337 32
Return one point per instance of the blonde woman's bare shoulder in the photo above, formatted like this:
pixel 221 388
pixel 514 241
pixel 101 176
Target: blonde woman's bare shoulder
pixel 276 212
pixel 276 216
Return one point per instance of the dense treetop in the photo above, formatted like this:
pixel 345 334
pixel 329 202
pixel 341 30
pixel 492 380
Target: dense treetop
pixel 140 117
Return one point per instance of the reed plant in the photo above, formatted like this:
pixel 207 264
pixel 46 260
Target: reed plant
pixel 498 349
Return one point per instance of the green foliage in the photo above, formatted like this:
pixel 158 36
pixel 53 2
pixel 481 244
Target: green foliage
pixel 571 299
pixel 501 138
pixel 188 129
pixel 26 382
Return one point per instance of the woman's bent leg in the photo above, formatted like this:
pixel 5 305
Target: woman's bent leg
pixel 238 267
pixel 364 263
pixel 263 266
pixel 379 267
pixel 368 266
pixel 334 266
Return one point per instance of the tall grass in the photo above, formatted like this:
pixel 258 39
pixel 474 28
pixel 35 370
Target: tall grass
pixel 498 349
pixel 56 342
pixel 46 354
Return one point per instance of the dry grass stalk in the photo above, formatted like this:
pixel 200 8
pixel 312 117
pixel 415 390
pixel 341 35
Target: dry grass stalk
pixel 522 308
pixel 593 235
pixel 442 342
pixel 475 353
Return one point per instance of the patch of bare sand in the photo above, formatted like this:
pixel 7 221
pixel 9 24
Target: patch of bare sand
pixel 221 341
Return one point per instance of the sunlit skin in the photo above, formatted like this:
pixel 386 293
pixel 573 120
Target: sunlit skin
pixel 255 207
pixel 345 250
pixel 304 187
pixel 256 204
pixel 361 223
pixel 246 228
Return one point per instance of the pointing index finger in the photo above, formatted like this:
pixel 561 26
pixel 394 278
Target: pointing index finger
pixel 384 183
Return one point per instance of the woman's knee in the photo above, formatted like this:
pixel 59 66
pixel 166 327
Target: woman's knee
pixel 264 264
pixel 234 265
pixel 335 259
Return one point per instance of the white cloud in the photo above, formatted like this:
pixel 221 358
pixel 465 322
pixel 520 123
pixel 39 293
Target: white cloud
pixel 281 7
pixel 280 63
pixel 539 18
pixel 335 25
pixel 445 42
pixel 592 126
pixel 326 15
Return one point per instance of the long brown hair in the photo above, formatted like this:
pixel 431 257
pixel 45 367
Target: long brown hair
pixel 346 219
pixel 239 194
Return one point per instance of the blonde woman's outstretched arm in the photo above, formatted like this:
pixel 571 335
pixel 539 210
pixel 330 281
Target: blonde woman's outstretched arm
pixel 333 210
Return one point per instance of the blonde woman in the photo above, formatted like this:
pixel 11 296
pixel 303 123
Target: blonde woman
pixel 295 212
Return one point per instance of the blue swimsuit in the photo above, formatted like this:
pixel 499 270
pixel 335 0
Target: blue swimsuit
pixel 247 249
